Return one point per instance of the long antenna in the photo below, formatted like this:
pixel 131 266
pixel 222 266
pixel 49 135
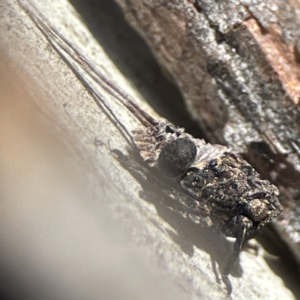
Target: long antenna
pixel 66 51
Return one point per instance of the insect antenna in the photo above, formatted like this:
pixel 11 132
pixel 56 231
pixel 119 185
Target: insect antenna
pixel 71 55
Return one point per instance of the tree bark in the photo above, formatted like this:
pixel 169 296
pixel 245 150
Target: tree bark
pixel 50 48
pixel 237 66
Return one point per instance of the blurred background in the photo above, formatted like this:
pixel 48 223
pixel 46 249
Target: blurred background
pixel 58 238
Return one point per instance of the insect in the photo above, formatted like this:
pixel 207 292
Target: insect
pixel 238 200
pixel 219 181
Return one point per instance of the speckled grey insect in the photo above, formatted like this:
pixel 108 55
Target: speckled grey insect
pixel 238 200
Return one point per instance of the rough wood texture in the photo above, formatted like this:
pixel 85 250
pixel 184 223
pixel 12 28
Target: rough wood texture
pixel 177 252
pixel 236 63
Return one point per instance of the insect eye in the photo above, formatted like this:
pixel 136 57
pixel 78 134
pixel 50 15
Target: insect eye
pixel 176 157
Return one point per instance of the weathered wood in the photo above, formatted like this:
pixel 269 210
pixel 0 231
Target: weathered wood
pixel 181 252
pixel 236 64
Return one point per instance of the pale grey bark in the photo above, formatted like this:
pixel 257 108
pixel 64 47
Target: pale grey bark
pixel 164 258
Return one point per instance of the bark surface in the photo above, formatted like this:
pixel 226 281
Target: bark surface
pixel 237 65
pixel 51 49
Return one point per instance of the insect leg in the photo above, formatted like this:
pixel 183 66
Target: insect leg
pixel 239 228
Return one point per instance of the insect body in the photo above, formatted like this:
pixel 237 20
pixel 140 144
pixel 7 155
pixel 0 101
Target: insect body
pixel 238 200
